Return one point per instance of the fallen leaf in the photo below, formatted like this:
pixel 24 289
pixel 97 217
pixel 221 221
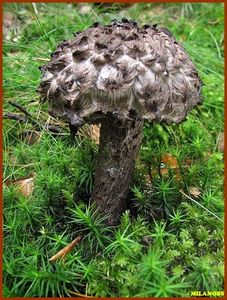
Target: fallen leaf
pixel 10 26
pixel 95 133
pixel 91 132
pixel 84 8
pixel 8 20
pixel 168 162
pixel 194 191
pixel 64 251
pixel 25 185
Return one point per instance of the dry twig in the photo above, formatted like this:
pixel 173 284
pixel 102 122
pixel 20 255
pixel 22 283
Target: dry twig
pixel 64 251
pixel 81 295
pixel 193 200
pixel 26 119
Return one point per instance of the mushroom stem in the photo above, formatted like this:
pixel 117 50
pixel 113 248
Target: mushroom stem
pixel 119 145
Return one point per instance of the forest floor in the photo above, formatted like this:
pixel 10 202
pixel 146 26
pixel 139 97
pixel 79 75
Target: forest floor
pixel 170 239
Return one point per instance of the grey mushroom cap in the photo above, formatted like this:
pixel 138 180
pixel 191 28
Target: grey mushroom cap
pixel 121 69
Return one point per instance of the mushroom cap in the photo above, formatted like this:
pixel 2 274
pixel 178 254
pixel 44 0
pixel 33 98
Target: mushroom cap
pixel 120 68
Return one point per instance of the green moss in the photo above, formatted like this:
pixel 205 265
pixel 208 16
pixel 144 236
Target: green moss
pixel 166 242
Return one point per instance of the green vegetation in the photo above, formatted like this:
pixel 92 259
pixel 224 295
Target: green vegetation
pixel 170 239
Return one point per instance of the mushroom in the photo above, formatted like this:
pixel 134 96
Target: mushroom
pixel 119 75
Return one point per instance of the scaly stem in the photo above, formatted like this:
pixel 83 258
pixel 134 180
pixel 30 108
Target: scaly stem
pixel 118 148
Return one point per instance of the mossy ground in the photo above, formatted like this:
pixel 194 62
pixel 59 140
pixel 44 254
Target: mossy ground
pixel 170 240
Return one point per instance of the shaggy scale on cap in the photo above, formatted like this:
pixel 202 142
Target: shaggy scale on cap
pixel 120 68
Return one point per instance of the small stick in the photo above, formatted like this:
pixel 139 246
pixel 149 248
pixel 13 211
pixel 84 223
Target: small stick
pixel 81 295
pixel 28 114
pixel 41 59
pixel 193 200
pixel 24 119
pixel 16 117
pixel 53 128
pixel 21 108
pixel 64 251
